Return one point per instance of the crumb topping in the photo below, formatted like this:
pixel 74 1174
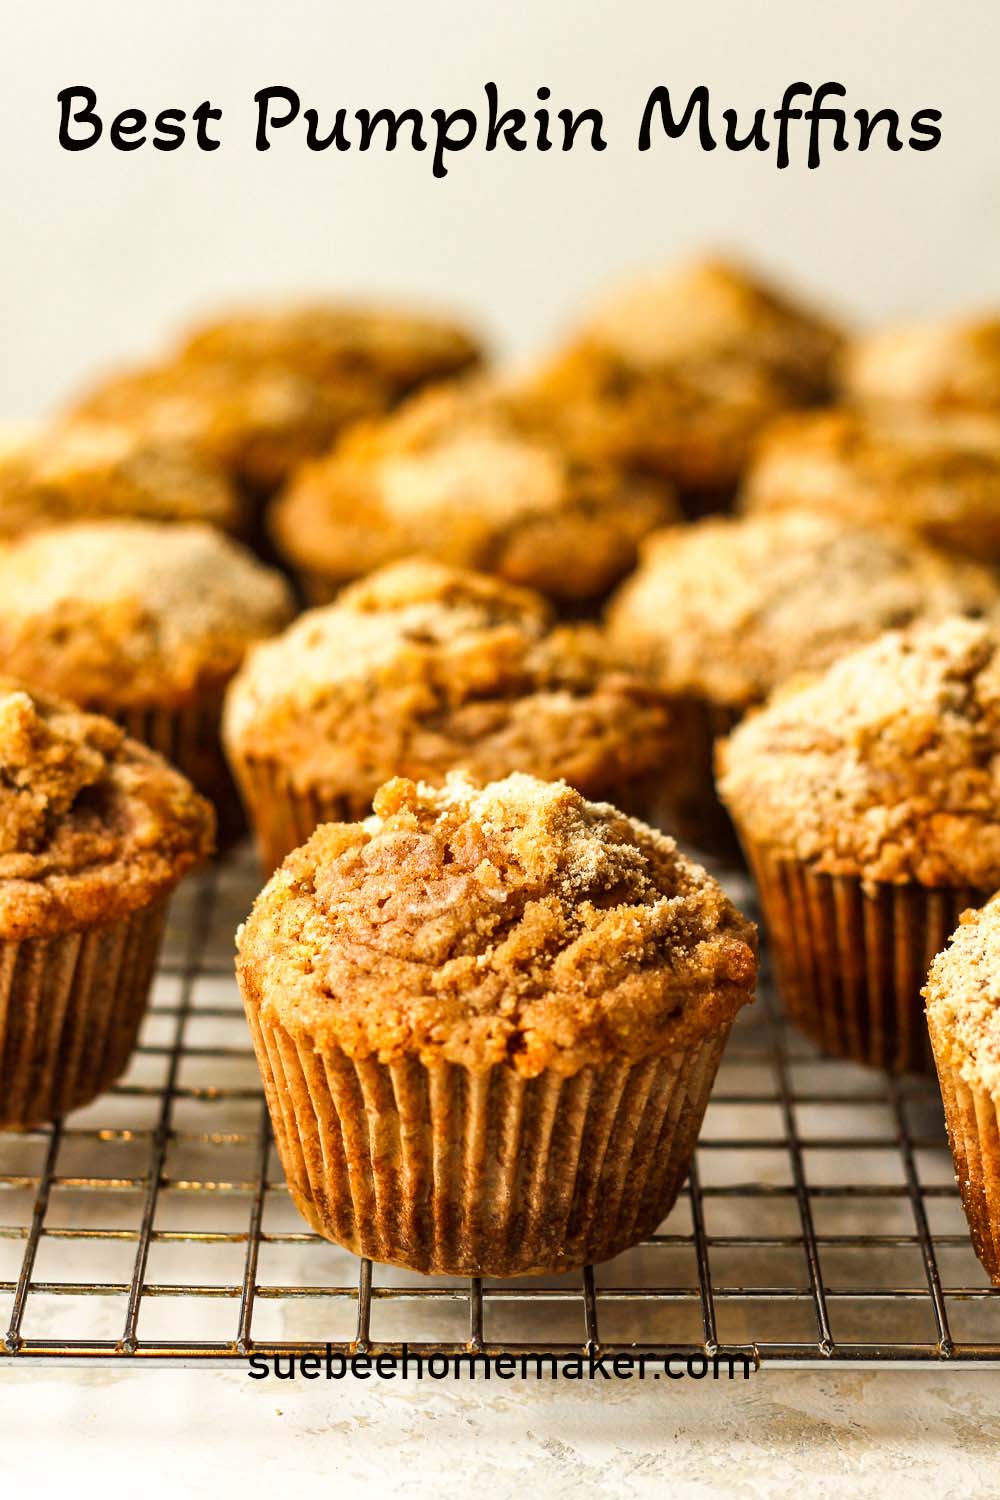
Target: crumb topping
pixel 963 1000
pixel 730 608
pixel 937 366
pixel 886 767
pixel 511 924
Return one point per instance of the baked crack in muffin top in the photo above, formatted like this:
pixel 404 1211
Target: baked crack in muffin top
pixel 91 824
pixel 886 767
pixel 512 924
pixel 963 999
pixel 946 366
pixel 727 609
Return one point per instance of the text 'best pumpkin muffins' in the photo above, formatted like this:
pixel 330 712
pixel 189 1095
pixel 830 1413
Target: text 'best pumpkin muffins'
pixel 488 1021
pixel 963 1018
pixel 144 623
pixel 95 832
pixel 722 612
pixel 868 803
pixel 422 669
pixel 477 475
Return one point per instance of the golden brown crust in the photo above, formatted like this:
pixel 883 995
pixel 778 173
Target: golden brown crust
pixel 517 925
pixel 944 366
pixel 887 767
pixel 938 474
pixel 124 614
pixel 479 476
pixel 727 609
pixel 92 825
pixel 82 469
pixel 423 668
pixel 963 1000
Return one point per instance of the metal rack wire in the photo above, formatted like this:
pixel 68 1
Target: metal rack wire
pixel 820 1223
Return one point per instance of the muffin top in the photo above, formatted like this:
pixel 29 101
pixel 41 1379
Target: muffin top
pixel 515 924
pixel 886 767
pixel 92 825
pixel 424 668
pixel 130 612
pixel 479 476
pixel 98 468
pixel 727 609
pixel 939 366
pixel 936 473
pixel 259 392
pixel 963 999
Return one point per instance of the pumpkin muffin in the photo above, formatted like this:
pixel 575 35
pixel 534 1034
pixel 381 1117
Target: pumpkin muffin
pixel 936 473
pixel 422 669
pixel 676 375
pixel 943 366
pixel 963 1017
pixel 723 611
pixel 868 803
pixel 143 623
pixel 261 391
pixel 95 832
pixel 82 469
pixel 488 1021
pixel 480 476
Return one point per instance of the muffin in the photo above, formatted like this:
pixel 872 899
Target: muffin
pixel 422 669
pixel 938 474
pixel 943 366
pixel 963 1018
pixel 723 611
pixel 488 1021
pixel 95 832
pixel 675 375
pixel 81 469
pixel 143 623
pixel 261 391
pixel 480 476
pixel 868 803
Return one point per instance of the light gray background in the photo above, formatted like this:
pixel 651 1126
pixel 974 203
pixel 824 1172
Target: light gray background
pixel 102 252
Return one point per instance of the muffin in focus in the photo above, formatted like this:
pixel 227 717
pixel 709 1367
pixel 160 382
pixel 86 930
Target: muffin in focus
pixel 479 476
pixel 674 376
pixel 95 832
pixel 488 1021
pixel 936 473
pixel 868 803
pixel 263 390
pixel 422 669
pixel 143 623
pixel 940 366
pixel 963 1018
pixel 79 470
pixel 722 612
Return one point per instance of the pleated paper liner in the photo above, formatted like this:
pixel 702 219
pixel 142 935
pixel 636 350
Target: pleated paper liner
pixel 973 1121
pixel 448 1171
pixel 189 737
pixel 850 960
pixel 70 1009
pixel 282 815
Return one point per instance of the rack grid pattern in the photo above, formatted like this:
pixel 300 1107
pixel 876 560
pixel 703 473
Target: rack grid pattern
pixel 820 1223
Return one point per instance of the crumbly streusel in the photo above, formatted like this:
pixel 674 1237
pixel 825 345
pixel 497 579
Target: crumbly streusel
pixel 944 366
pixel 963 999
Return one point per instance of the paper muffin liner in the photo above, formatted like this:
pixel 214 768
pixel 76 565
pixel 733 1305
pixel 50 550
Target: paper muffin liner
pixel 453 1172
pixel 973 1121
pixel 681 798
pixel 282 815
pixel 189 736
pixel 70 1009
pixel 851 959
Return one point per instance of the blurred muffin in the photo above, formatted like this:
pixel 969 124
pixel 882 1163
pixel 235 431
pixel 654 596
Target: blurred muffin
pixel 419 670
pixel 144 623
pixel 488 1022
pixel 261 391
pixel 480 476
pixel 868 803
pixel 81 469
pixel 938 474
pixel 95 832
pixel 675 375
pixel 963 1017
pixel 943 366
pixel 722 612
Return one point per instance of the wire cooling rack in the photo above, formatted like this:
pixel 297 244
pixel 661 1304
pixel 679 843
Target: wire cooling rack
pixel 820 1223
